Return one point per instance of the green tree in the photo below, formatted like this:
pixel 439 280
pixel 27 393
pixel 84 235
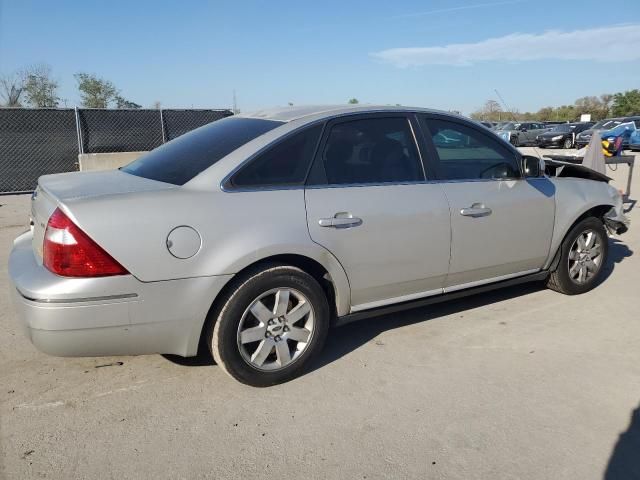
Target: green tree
pixel 626 103
pixel 592 105
pixel 40 90
pixel 95 92
pixel 124 103
pixel 353 101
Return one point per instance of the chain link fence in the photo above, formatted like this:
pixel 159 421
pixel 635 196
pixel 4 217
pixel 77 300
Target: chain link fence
pixel 35 142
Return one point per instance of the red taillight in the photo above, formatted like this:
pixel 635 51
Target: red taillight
pixel 69 252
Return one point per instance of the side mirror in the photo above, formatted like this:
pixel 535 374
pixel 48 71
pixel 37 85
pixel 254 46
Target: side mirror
pixel 532 166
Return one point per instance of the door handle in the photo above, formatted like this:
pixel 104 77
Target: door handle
pixel 476 210
pixel 340 220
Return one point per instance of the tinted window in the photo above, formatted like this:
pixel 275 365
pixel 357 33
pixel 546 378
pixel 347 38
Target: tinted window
pixel 376 150
pixel 284 164
pixel 566 128
pixel 179 160
pixel 465 153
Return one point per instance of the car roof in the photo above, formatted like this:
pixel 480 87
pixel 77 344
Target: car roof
pixel 315 112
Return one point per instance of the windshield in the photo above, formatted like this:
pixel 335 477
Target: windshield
pixel 621 128
pixel 509 126
pixel 606 124
pixel 563 128
pixel 179 160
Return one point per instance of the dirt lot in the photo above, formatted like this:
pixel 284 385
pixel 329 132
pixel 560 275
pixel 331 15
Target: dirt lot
pixel 519 384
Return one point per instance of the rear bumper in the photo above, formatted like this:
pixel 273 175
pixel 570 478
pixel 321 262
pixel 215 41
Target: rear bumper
pixel 110 315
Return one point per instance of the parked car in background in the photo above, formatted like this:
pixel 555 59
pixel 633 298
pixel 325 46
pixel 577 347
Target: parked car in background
pixel 634 141
pixel 254 233
pixel 489 125
pixel 562 135
pixel 521 133
pixel 583 139
pixel 624 130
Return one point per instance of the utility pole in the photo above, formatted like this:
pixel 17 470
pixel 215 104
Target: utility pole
pixel 235 103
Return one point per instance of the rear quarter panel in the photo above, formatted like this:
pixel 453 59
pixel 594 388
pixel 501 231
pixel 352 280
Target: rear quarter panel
pixel 237 230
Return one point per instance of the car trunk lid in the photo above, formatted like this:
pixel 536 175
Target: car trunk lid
pixel 54 190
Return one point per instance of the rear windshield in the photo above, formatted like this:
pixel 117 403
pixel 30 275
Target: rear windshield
pixel 179 160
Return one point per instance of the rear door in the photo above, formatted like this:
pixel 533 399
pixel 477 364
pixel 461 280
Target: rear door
pixel 369 204
pixel 501 223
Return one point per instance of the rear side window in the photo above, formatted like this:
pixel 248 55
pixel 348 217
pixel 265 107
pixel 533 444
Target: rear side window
pixel 179 160
pixel 371 151
pixel 284 164
pixel 465 153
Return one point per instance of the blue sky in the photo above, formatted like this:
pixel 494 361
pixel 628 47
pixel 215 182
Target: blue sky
pixel 441 54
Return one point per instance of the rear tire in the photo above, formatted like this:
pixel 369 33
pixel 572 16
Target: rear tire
pixel 257 336
pixel 583 254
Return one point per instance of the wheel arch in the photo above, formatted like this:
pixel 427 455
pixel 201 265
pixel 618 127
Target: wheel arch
pixel 597 211
pixel 330 276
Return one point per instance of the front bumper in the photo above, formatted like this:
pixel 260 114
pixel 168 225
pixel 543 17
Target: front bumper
pixel 547 142
pixel 117 315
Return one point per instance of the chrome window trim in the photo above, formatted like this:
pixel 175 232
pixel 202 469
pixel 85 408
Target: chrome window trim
pixel 386 184
pixel 225 184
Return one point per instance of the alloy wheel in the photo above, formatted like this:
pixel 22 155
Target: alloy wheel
pixel 276 329
pixel 585 257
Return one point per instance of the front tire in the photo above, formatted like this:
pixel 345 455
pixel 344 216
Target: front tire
pixel 568 143
pixel 271 323
pixel 583 255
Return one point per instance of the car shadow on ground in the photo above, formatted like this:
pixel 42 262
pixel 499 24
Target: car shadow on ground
pixel 354 335
pixel 624 463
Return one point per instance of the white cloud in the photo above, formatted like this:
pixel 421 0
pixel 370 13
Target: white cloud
pixel 458 8
pixel 607 44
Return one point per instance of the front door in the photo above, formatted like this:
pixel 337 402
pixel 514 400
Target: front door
pixel 501 223
pixel 368 203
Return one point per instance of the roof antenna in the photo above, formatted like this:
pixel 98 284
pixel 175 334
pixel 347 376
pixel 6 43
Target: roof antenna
pixel 513 115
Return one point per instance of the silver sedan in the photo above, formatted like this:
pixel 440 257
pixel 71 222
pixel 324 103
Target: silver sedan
pixel 256 233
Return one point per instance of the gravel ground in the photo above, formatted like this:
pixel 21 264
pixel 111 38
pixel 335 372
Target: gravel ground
pixel 522 383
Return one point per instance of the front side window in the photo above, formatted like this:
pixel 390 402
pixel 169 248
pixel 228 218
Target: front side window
pixel 371 151
pixel 467 154
pixel 284 164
